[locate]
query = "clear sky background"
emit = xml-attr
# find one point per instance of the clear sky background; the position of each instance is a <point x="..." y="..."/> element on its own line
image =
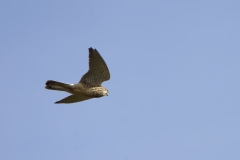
<point x="174" y="92"/>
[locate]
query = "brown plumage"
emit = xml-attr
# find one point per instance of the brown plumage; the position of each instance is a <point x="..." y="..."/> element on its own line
<point x="90" y="83"/>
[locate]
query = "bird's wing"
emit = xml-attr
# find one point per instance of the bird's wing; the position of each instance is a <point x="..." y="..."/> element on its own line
<point x="98" y="71"/>
<point x="73" y="99"/>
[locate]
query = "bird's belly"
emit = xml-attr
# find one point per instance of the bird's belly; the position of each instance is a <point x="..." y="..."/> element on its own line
<point x="77" y="89"/>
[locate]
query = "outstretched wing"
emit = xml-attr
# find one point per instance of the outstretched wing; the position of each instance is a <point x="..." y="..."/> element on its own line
<point x="73" y="99"/>
<point x="98" y="71"/>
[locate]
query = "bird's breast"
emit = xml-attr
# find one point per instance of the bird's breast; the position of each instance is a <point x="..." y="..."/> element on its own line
<point x="95" y="92"/>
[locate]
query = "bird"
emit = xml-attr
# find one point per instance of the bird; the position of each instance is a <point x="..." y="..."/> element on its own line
<point x="89" y="85"/>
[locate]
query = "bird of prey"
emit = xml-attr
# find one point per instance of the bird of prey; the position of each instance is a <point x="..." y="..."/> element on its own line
<point x="90" y="84"/>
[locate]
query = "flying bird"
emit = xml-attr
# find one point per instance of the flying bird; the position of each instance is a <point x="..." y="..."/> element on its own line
<point x="90" y="84"/>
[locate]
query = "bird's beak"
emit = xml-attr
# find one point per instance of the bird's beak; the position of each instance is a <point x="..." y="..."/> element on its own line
<point x="107" y="94"/>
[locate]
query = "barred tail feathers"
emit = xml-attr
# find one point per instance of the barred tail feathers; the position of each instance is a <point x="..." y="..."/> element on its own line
<point x="54" y="85"/>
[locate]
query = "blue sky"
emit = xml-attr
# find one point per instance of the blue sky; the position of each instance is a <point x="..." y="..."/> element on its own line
<point x="174" y="88"/>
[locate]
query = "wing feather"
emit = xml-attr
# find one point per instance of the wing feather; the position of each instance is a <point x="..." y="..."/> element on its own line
<point x="73" y="99"/>
<point x="98" y="71"/>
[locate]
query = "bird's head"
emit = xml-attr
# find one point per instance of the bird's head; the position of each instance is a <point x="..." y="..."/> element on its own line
<point x="105" y="92"/>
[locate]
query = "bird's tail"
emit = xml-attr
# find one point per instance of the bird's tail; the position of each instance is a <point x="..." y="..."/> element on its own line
<point x="54" y="85"/>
